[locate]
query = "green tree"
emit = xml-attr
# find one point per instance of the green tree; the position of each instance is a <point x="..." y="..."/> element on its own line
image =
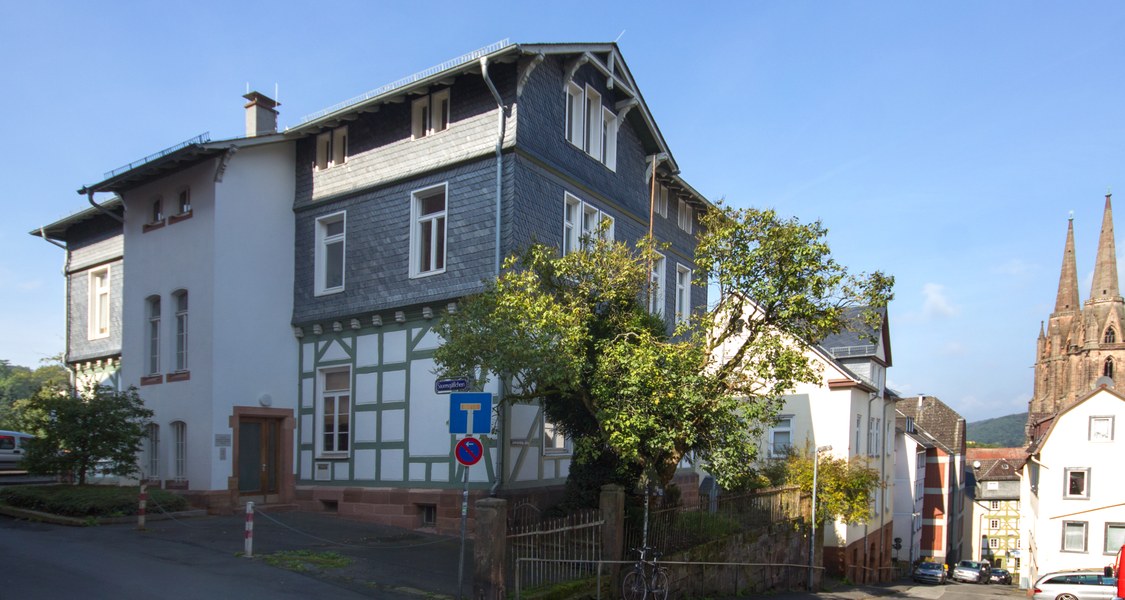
<point x="573" y="333"/>
<point x="93" y="427"/>
<point x="845" y="489"/>
<point x="20" y="383"/>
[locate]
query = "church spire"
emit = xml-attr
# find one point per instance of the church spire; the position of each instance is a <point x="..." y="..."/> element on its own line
<point x="1068" y="279"/>
<point x="1105" y="267"/>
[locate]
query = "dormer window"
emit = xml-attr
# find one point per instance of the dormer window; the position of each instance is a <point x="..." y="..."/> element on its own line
<point x="332" y="148"/>
<point x="1110" y="336"/>
<point x="430" y="114"/>
<point x="591" y="126"/>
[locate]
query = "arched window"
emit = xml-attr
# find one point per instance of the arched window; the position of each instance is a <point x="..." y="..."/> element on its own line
<point x="153" y="338"/>
<point x="179" y="439"/>
<point x="1108" y="369"/>
<point x="153" y="451"/>
<point x="181" y="298"/>
<point x="1110" y="336"/>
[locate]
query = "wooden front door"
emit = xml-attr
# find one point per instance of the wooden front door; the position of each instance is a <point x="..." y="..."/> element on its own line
<point x="258" y="455"/>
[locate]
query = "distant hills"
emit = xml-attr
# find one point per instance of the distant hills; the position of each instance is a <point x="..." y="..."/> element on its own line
<point x="1001" y="432"/>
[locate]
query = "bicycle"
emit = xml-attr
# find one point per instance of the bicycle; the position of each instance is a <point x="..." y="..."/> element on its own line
<point x="646" y="578"/>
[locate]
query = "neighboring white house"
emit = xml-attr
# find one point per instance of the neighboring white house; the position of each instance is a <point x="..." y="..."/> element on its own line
<point x="208" y="296"/>
<point x="1072" y="493"/>
<point x="910" y="476"/>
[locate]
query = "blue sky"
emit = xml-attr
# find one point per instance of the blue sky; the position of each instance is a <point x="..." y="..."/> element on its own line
<point x="942" y="142"/>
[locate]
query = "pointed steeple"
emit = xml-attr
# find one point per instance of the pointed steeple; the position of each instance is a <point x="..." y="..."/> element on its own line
<point x="1067" y="300"/>
<point x="1105" y="267"/>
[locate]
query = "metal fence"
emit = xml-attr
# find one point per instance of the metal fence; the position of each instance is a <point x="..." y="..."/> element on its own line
<point x="556" y="550"/>
<point x="676" y="528"/>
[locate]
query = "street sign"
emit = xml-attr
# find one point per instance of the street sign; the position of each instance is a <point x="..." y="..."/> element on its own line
<point x="452" y="384"/>
<point x="470" y="413"/>
<point x="468" y="451"/>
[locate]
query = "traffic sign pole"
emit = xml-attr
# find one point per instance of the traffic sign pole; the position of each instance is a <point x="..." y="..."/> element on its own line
<point x="464" y="520"/>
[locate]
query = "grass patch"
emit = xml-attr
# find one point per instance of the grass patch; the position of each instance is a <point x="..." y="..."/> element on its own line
<point x="306" y="560"/>
<point x="88" y="500"/>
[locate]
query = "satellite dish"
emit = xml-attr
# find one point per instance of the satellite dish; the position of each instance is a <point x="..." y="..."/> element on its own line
<point x="1104" y="380"/>
<point x="976" y="464"/>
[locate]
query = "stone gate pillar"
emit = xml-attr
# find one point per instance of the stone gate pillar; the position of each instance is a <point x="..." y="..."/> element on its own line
<point x="489" y="549"/>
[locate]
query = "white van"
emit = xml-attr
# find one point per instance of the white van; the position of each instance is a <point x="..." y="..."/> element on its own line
<point x="13" y="445"/>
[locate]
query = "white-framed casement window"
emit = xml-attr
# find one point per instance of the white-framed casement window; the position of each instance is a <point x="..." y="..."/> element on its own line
<point x="153" y="337"/>
<point x="428" y="209"/>
<point x="181" y="298"/>
<point x="592" y="143"/>
<point x="157" y="213"/>
<point x="554" y="441"/>
<point x="858" y="422"/>
<point x="184" y="201"/>
<point x="656" y="286"/>
<point x="994" y="523"/>
<point x="329" y="254"/>
<point x="334" y="411"/>
<point x="153" y="443"/>
<point x="179" y="441"/>
<point x="1077" y="481"/>
<point x="683" y="293"/>
<point x="993" y="543"/>
<point x="1101" y="429"/>
<point x="581" y="221"/>
<point x="99" y="299"/>
<point x="781" y="436"/>
<point x="660" y="200"/>
<point x="575" y="113"/>
<point x="609" y="139"/>
<point x="994" y="505"/>
<point x="1074" y="536"/>
<point x="992" y="486"/>
<point x="430" y="114"/>
<point x="332" y="148"/>
<point x="685" y="216"/>
<point x="1114" y="538"/>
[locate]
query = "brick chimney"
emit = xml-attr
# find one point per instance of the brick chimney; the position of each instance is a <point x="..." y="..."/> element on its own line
<point x="261" y="118"/>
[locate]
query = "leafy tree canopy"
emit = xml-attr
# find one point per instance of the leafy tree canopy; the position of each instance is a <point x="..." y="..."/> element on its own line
<point x="20" y="383"/>
<point x="573" y="332"/>
<point x="845" y="489"/>
<point x="78" y="431"/>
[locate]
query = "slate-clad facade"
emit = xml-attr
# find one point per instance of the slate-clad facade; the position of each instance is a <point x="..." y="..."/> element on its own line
<point x="373" y="336"/>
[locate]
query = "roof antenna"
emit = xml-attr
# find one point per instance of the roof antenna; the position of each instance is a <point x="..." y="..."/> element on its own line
<point x="247" y="87"/>
<point x="1071" y="215"/>
<point x="619" y="36"/>
<point x="276" y="93"/>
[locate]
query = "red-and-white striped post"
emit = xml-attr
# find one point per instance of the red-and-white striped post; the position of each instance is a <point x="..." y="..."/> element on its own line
<point x="248" y="543"/>
<point x="142" y="506"/>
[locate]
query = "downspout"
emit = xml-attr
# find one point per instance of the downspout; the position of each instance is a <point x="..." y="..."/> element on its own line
<point x="90" y="197"/>
<point x="883" y="476"/>
<point x="66" y="305"/>
<point x="501" y="126"/>
<point x="867" y="525"/>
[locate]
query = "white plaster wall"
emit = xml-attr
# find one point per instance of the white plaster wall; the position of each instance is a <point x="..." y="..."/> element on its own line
<point x="255" y="351"/>
<point x="1068" y="445"/>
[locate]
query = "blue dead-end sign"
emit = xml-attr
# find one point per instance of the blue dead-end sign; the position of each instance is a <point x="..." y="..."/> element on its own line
<point x="469" y="451"/>
<point x="470" y="413"/>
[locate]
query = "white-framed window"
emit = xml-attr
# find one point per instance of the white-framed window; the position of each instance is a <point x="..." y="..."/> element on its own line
<point x="656" y="286"/>
<point x="99" y="299"/>
<point x="332" y="148"/>
<point x="430" y="114"/>
<point x="184" y="201"/>
<point x="554" y="440"/>
<point x="334" y="411"/>
<point x="1077" y="481"/>
<point x="1101" y="429"/>
<point x="181" y="298"/>
<point x="593" y="141"/>
<point x="685" y="216"/>
<point x="157" y="213"/>
<point x="609" y="139"/>
<point x="575" y="109"/>
<point x="992" y="486"/>
<point x="993" y="542"/>
<point x="994" y="504"/>
<point x="1114" y="538"/>
<point x="858" y="423"/>
<point x="329" y="254"/>
<point x="781" y="436"/>
<point x="580" y="223"/>
<point x="994" y="523"/>
<point x="179" y="440"/>
<point x="153" y="443"/>
<point x="1074" y="536"/>
<point x="153" y="338"/>
<point x="683" y="294"/>
<point x="660" y="201"/>
<point x="427" y="232"/>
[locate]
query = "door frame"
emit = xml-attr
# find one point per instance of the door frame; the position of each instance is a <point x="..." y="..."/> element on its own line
<point x="286" y="491"/>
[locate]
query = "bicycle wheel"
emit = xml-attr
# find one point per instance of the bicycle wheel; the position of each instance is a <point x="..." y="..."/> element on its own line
<point x="660" y="584"/>
<point x="633" y="588"/>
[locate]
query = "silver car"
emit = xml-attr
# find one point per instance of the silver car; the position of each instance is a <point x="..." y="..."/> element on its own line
<point x="1075" y="585"/>
<point x="972" y="571"/>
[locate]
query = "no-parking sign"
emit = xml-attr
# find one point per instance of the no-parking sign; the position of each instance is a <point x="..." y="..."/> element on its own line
<point x="469" y="451"/>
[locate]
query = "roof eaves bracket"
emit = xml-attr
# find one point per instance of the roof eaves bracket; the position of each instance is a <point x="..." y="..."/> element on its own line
<point x="572" y="68"/>
<point x="527" y="73"/>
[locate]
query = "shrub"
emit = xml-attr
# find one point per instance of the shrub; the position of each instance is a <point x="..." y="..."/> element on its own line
<point x="88" y="501"/>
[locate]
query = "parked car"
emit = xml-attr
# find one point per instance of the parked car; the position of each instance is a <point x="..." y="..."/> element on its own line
<point x="929" y="572"/>
<point x="972" y="571"/>
<point x="13" y="445"/>
<point x="1000" y="576"/>
<point x="1075" y="585"/>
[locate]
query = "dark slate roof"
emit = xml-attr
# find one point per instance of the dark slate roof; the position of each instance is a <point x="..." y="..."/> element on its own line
<point x="858" y="339"/>
<point x="934" y="418"/>
<point x="996" y="464"/>
<point x="59" y="230"/>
